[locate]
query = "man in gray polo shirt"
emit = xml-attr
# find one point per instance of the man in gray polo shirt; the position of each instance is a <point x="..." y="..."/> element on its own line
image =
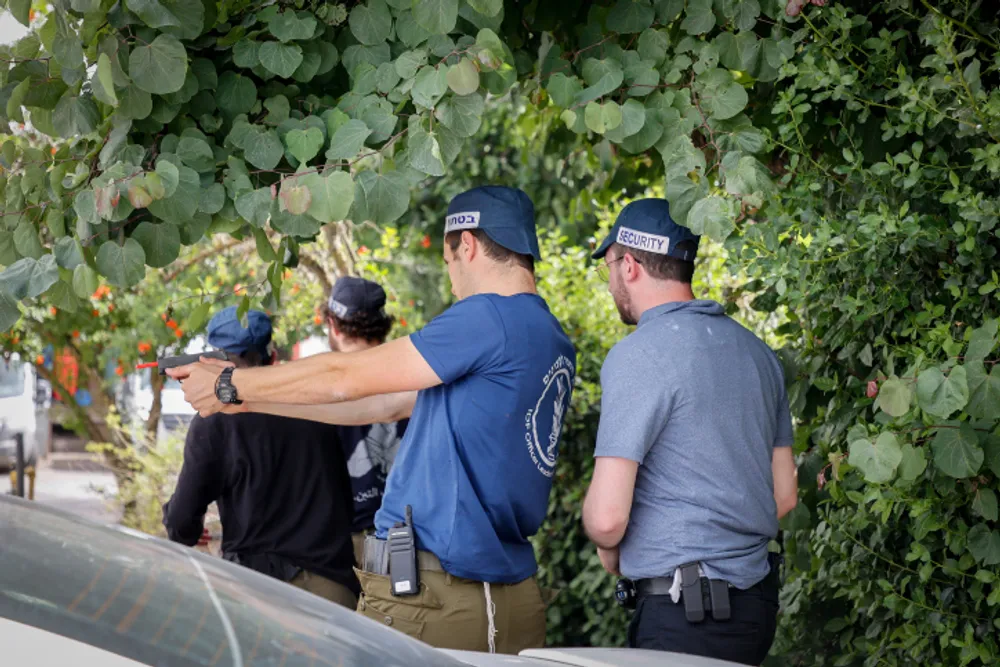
<point x="693" y="463"/>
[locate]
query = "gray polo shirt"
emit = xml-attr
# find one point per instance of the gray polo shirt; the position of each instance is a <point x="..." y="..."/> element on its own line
<point x="699" y="402"/>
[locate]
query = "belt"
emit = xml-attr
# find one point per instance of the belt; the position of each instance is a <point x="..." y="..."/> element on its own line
<point x="375" y="558"/>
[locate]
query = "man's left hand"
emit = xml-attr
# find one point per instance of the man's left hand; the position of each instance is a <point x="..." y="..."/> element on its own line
<point x="198" y="382"/>
<point x="609" y="559"/>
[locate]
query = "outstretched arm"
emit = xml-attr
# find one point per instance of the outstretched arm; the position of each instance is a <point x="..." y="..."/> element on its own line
<point x="371" y="410"/>
<point x="333" y="377"/>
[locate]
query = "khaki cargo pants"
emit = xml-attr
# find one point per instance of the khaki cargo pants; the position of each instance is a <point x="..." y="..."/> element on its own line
<point x="450" y="612"/>
<point x="325" y="588"/>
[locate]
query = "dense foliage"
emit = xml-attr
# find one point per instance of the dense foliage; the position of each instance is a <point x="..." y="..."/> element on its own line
<point x="849" y="154"/>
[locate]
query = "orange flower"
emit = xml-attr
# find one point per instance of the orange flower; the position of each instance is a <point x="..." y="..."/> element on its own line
<point x="111" y="307"/>
<point x="295" y="288"/>
<point x="402" y="321"/>
<point x="53" y="150"/>
<point x="53" y="311"/>
<point x="426" y="242"/>
<point x="76" y="334"/>
<point x="410" y="303"/>
<point x="238" y="288"/>
<point x="363" y="250"/>
<point x="96" y="312"/>
<point x="119" y="371"/>
<point x="113" y="326"/>
<point x="318" y="320"/>
<point x="15" y="340"/>
<point x="178" y="332"/>
<point x="31" y="15"/>
<point x="39" y="360"/>
<point x="163" y="317"/>
<point x="171" y="324"/>
<point x="144" y="347"/>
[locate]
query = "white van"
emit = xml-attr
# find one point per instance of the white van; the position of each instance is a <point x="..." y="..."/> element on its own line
<point x="25" y="399"/>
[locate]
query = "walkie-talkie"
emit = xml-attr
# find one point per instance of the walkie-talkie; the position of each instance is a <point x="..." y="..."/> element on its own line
<point x="403" y="557"/>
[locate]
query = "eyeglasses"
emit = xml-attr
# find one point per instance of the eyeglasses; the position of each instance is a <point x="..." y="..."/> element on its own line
<point x="604" y="269"/>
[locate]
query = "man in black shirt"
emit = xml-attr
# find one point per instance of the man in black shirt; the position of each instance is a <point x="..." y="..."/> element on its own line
<point x="284" y="501"/>
<point x="356" y="320"/>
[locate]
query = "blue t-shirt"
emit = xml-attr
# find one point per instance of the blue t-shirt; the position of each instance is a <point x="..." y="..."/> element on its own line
<point x="477" y="459"/>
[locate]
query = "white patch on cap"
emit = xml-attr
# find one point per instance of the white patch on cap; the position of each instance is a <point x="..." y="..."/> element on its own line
<point x="466" y="220"/>
<point x="339" y="309"/>
<point x="643" y="241"/>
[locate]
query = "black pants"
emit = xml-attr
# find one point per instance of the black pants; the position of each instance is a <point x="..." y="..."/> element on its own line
<point x="660" y="625"/>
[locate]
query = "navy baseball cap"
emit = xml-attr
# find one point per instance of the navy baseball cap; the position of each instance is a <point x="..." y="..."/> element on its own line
<point x="506" y="215"/>
<point x="351" y="295"/>
<point x="645" y="224"/>
<point x="226" y="333"/>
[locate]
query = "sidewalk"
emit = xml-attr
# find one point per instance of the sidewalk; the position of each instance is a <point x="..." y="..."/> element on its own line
<point x="73" y="483"/>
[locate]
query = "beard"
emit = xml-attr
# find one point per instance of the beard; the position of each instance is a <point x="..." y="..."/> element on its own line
<point x="623" y="302"/>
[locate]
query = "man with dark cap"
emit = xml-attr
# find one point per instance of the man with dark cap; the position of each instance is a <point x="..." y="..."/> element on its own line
<point x="356" y="320"/>
<point x="694" y="463"/>
<point x="284" y="499"/>
<point x="488" y="383"/>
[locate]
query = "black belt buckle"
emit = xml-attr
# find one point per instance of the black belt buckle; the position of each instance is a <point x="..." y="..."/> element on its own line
<point x="694" y="603"/>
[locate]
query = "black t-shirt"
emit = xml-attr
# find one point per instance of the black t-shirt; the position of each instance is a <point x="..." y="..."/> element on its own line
<point x="282" y="488"/>
<point x="370" y="451"/>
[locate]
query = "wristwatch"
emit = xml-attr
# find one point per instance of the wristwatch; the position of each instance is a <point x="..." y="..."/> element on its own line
<point x="224" y="389"/>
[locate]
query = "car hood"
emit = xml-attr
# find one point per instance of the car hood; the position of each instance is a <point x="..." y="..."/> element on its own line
<point x="587" y="657"/>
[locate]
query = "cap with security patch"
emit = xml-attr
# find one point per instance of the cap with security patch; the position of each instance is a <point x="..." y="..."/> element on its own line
<point x="351" y="295"/>
<point x="506" y="215"/>
<point x="645" y="224"/>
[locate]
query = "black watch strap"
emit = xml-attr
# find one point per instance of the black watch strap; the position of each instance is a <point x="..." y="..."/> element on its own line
<point x="224" y="389"/>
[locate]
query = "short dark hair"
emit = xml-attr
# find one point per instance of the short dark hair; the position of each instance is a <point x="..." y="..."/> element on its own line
<point x="364" y="325"/>
<point x="250" y="359"/>
<point x="663" y="267"/>
<point x="492" y="249"/>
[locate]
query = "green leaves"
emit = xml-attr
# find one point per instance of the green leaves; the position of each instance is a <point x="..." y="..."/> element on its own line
<point x="463" y="77"/>
<point x="304" y="145"/>
<point x="75" y="116"/>
<point x="85" y="281"/>
<point x="103" y="82"/>
<point x="187" y="16"/>
<point x="984" y="544"/>
<point x="602" y="76"/>
<point x="877" y="460"/>
<point x="894" y="397"/>
<point x="159" y="67"/>
<point x="236" y="94"/>
<point x="461" y="115"/>
<point x="255" y="206"/>
<point x="123" y="265"/>
<point x="437" y="17"/>
<point x="602" y="117"/>
<point x="10" y="313"/>
<point x="956" y="451"/>
<point x="281" y="59"/>
<point x="289" y="25"/>
<point x="161" y="243"/>
<point x="195" y="153"/>
<point x="699" y="18"/>
<point x="425" y="153"/>
<point x="564" y="89"/>
<point x="721" y="95"/>
<point x="371" y="23"/>
<point x="28" y="278"/>
<point x="348" y="140"/>
<point x="713" y="216"/>
<point x="630" y="16"/>
<point x="984" y="391"/>
<point x="983" y="341"/>
<point x="21" y="10"/>
<point x="985" y="504"/>
<point x="262" y="148"/>
<point x="380" y="198"/>
<point x="68" y="252"/>
<point x="912" y="464"/>
<point x="430" y="85"/>
<point x="331" y="195"/>
<point x="941" y="395"/>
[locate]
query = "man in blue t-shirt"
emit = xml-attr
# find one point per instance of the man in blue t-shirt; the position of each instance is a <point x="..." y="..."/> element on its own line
<point x="486" y="385"/>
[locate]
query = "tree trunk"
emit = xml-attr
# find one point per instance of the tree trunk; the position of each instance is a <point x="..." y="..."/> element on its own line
<point x="153" y="421"/>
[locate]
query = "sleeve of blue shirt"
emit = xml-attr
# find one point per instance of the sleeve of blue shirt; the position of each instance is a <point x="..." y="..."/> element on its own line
<point x="631" y="420"/>
<point x="466" y="338"/>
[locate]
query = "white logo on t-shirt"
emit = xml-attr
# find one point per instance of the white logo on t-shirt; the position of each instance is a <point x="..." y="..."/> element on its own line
<point x="377" y="449"/>
<point x="544" y="422"/>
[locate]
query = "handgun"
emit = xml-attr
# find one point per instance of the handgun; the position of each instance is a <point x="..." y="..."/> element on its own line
<point x="183" y="360"/>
